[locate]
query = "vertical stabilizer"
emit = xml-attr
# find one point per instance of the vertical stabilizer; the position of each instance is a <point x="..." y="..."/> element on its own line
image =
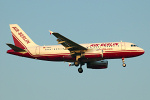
<point x="21" y="39"/>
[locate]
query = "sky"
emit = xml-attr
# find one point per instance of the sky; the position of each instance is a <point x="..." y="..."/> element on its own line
<point x="83" y="21"/>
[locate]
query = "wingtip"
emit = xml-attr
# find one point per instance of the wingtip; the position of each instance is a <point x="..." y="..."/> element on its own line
<point x="51" y="32"/>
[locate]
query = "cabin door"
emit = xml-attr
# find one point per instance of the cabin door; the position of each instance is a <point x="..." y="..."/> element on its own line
<point x="123" y="46"/>
<point x="37" y="50"/>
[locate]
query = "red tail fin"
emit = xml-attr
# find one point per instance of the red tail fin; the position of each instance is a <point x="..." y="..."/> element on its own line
<point x="17" y="42"/>
<point x="21" y="39"/>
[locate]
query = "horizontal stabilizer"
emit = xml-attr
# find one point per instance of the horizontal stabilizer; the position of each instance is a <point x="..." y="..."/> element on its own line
<point x="15" y="48"/>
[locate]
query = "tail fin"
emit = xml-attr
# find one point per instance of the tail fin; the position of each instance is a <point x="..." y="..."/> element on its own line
<point x="21" y="39"/>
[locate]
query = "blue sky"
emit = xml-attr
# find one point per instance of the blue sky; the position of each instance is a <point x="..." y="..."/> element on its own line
<point x="83" y="22"/>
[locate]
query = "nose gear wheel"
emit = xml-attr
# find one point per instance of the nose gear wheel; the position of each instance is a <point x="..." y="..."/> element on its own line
<point x="124" y="65"/>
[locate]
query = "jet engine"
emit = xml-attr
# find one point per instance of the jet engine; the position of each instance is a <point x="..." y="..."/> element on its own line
<point x="97" y="64"/>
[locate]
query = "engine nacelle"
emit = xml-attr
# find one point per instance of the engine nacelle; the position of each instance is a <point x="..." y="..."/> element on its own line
<point x="97" y="64"/>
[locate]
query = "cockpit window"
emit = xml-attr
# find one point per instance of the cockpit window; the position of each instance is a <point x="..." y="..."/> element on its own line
<point x="133" y="45"/>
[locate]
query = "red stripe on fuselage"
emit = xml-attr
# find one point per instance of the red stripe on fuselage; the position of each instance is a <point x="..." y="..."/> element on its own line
<point x="68" y="57"/>
<point x="11" y="51"/>
<point x="122" y="54"/>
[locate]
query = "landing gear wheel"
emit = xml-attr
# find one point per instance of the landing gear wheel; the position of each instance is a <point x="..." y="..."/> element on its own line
<point x="124" y="65"/>
<point x="80" y="70"/>
<point x="76" y="63"/>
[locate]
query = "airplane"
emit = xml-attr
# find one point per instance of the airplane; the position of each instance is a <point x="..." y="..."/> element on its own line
<point x="94" y="55"/>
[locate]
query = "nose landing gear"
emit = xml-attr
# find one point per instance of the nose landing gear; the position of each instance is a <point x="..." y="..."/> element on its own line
<point x="124" y="65"/>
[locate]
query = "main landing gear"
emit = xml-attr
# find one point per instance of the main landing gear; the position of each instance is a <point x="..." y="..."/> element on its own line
<point x="76" y="63"/>
<point x="124" y="65"/>
<point x="80" y="70"/>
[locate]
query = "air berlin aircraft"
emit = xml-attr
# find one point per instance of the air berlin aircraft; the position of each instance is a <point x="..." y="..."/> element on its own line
<point x="94" y="55"/>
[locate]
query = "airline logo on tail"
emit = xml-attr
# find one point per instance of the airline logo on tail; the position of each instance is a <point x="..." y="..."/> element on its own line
<point x="21" y="35"/>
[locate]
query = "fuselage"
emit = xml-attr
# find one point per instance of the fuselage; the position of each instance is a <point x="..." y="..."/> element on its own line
<point x="96" y="51"/>
<point x="92" y="54"/>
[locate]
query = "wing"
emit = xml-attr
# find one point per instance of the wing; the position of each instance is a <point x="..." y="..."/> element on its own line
<point x="68" y="44"/>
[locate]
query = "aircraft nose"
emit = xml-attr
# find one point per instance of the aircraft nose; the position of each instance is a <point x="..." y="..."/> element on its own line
<point x="142" y="51"/>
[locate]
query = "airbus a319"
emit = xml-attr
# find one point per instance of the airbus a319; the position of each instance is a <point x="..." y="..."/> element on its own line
<point x="94" y="55"/>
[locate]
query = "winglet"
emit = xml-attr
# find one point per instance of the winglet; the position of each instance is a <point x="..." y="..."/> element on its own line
<point x="51" y="32"/>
